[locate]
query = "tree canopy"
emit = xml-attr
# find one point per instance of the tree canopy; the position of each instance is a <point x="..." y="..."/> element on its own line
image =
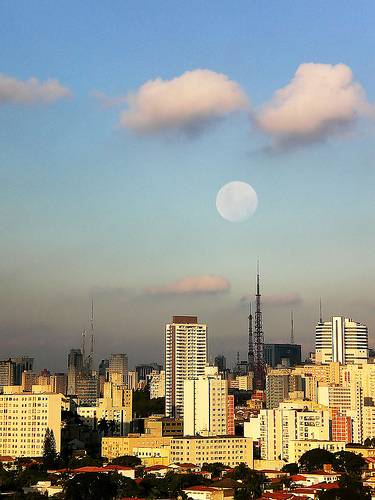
<point x="314" y="459"/>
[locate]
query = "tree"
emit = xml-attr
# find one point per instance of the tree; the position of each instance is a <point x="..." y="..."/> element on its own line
<point x="314" y="459"/>
<point x="290" y="468"/>
<point x="343" y="493"/>
<point x="103" y="427"/>
<point x="143" y="406"/>
<point x="348" y="462"/>
<point x="112" y="426"/>
<point x="215" y="468"/>
<point x="252" y="480"/>
<point x="49" y="449"/>
<point x="127" y="461"/>
<point x="90" y="485"/>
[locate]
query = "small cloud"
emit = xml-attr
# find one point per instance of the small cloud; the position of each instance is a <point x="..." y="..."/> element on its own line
<point x="13" y="91"/>
<point x="192" y="285"/>
<point x="189" y="103"/>
<point x="321" y="100"/>
<point x="106" y="101"/>
<point x="277" y="300"/>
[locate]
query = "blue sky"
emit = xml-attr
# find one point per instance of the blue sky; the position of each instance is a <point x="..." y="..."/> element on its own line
<point x="89" y="207"/>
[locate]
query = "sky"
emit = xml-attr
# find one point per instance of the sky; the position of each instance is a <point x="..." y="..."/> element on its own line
<point x="119" y="124"/>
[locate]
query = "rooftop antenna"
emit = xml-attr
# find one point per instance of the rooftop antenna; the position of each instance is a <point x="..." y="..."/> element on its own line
<point x="83" y="344"/>
<point x="320" y="311"/>
<point x="291" y="327"/>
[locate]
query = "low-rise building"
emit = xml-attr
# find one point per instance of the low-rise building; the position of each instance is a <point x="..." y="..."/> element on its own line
<point x="229" y="450"/>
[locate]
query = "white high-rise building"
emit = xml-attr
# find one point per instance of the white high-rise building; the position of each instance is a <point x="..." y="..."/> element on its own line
<point x="205" y="405"/>
<point x="341" y="340"/>
<point x="185" y="359"/>
<point x="118" y="368"/>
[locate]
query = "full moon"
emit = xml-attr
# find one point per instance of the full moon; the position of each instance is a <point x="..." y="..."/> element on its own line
<point x="236" y="201"/>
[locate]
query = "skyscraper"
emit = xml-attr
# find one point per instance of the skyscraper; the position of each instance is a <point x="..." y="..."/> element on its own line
<point x="185" y="359"/>
<point x="75" y="367"/>
<point x="118" y="364"/>
<point x="342" y="340"/>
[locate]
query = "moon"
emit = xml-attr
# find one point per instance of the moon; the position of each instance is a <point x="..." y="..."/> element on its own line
<point x="236" y="201"/>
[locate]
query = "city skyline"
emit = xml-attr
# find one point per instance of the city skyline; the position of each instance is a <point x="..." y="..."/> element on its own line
<point x="103" y="198"/>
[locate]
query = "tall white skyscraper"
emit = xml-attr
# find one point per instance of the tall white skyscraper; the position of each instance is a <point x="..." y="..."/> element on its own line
<point x="341" y="340"/>
<point x="185" y="359"/>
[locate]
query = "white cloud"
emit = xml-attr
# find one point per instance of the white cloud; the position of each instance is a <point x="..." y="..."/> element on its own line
<point x="321" y="100"/>
<point x="188" y="102"/>
<point x="192" y="285"/>
<point x="30" y="91"/>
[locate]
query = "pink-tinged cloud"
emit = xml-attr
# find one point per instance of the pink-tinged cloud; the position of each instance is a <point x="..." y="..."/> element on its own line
<point x="188" y="102"/>
<point x="13" y="91"/>
<point x="277" y="300"/>
<point x="192" y="285"/>
<point x="321" y="100"/>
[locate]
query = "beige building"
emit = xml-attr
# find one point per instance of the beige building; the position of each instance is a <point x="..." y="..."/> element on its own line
<point x="298" y="447"/>
<point x="275" y="428"/>
<point x="158" y="425"/>
<point x="157" y="384"/>
<point x="24" y="419"/>
<point x="205" y="405"/>
<point x="116" y="405"/>
<point x="113" y="447"/>
<point x="229" y="450"/>
<point x="118" y="368"/>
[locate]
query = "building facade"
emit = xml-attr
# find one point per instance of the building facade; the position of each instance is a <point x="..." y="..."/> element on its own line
<point x="341" y="340"/>
<point x="206" y="406"/>
<point x="24" y="420"/>
<point x="185" y="359"/>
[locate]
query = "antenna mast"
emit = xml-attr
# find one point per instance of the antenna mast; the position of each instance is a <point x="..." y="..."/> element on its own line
<point x="250" y="354"/>
<point x="91" y="355"/>
<point x="259" y="366"/>
<point x="320" y="311"/>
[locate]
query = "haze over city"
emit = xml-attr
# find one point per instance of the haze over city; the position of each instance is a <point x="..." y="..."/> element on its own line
<point x="108" y="185"/>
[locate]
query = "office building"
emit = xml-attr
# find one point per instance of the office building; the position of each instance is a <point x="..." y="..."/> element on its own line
<point x="132" y="380"/>
<point x="75" y="368"/>
<point x="87" y="388"/>
<point x="7" y="373"/>
<point x="341" y="340"/>
<point x="282" y="354"/>
<point x="205" y="405"/>
<point x="185" y="359"/>
<point x="221" y="362"/>
<point x="118" y="364"/>
<point x="143" y="371"/>
<point x="280" y="384"/>
<point x="59" y="383"/>
<point x="22" y="363"/>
